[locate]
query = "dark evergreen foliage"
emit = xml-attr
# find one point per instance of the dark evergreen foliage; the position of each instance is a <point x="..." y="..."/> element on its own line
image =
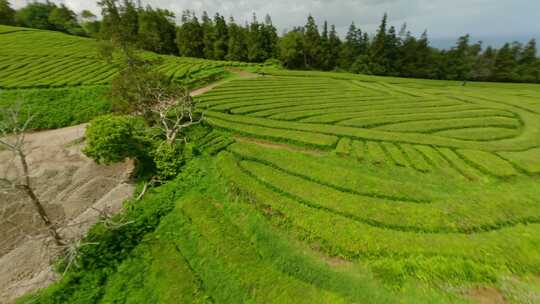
<point x="387" y="53"/>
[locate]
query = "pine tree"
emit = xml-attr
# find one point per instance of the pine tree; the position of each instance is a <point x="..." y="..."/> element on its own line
<point x="527" y="64"/>
<point x="334" y="47"/>
<point x="392" y="46"/>
<point x="268" y="39"/>
<point x="188" y="36"/>
<point x="349" y="50"/>
<point x="461" y="59"/>
<point x="312" y="44"/>
<point x="237" y="42"/>
<point x="157" y="31"/>
<point x="221" y="43"/>
<point x="255" y="49"/>
<point x="208" y="36"/>
<point x="130" y="20"/>
<point x="325" y="49"/>
<point x="378" y="55"/>
<point x="484" y="65"/>
<point x="120" y="25"/>
<point x="505" y="65"/>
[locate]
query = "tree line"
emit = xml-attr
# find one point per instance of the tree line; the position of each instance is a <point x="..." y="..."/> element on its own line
<point x="388" y="52"/>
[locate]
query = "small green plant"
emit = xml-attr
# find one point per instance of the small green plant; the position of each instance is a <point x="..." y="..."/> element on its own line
<point x="113" y="138"/>
<point x="169" y="159"/>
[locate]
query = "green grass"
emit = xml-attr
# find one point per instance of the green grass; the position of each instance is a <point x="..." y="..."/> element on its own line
<point x="62" y="79"/>
<point x="60" y="107"/>
<point x="342" y="189"/>
<point x="208" y="243"/>
<point x="395" y="255"/>
<point x="528" y="161"/>
<point x="44" y="59"/>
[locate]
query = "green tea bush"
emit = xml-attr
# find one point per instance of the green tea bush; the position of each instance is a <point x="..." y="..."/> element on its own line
<point x="169" y="159"/>
<point x="112" y="139"/>
<point x="62" y="107"/>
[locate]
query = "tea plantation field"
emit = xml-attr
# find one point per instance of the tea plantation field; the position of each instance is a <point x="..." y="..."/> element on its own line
<point x="37" y="65"/>
<point x="315" y="187"/>
<point x="425" y="180"/>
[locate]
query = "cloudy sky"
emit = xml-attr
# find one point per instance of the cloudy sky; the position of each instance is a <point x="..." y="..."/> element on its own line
<point x="484" y="19"/>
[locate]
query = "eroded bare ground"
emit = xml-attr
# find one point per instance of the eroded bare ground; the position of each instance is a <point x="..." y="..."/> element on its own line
<point x="71" y="186"/>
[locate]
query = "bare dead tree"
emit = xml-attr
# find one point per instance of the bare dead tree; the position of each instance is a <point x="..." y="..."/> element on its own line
<point x="13" y="130"/>
<point x="175" y="111"/>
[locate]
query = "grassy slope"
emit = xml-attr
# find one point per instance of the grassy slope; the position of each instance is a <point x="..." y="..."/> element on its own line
<point x="411" y="191"/>
<point x="213" y="246"/>
<point x="62" y="79"/>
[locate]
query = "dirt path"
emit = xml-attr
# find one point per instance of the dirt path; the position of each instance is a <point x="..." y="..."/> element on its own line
<point x="239" y="74"/>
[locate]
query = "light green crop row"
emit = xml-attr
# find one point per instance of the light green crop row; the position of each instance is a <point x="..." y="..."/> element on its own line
<point x="474" y="257"/>
<point x="488" y="162"/>
<point x="529" y="160"/>
<point x="373" y="121"/>
<point x="378" y="135"/>
<point x="445" y="214"/>
<point x="480" y="134"/>
<point x="361" y="107"/>
<point x="303" y="138"/>
<point x="398" y="110"/>
<point x="429" y="126"/>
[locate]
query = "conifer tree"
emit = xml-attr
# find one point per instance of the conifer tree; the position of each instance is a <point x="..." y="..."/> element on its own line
<point x="188" y="36"/>
<point x="378" y="55"/>
<point x="334" y="46"/>
<point x="528" y="69"/>
<point x="208" y="36"/>
<point x="237" y="42"/>
<point x="255" y="49"/>
<point x="325" y="48"/>
<point x="269" y="39"/>
<point x="505" y="64"/>
<point x="349" y="51"/>
<point x="484" y="65"/>
<point x="312" y="44"/>
<point x="221" y="43"/>
<point x="392" y="46"/>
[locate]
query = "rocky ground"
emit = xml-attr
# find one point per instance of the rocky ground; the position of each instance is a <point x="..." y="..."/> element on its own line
<point x="71" y="186"/>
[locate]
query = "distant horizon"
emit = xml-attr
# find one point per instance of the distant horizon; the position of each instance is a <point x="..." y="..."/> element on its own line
<point x="493" y="41"/>
<point x="514" y="20"/>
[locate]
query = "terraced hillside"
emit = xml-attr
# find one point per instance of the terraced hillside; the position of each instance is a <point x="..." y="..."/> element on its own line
<point x="335" y="188"/>
<point x="34" y="58"/>
<point x="68" y="72"/>
<point x="428" y="180"/>
<point x="317" y="188"/>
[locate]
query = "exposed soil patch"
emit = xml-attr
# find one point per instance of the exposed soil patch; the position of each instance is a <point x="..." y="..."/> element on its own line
<point x="69" y="184"/>
<point x="486" y="295"/>
<point x="240" y="73"/>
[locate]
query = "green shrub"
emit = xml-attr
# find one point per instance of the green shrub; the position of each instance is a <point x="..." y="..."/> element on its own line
<point x="60" y="107"/>
<point x="169" y="160"/>
<point x="112" y="139"/>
